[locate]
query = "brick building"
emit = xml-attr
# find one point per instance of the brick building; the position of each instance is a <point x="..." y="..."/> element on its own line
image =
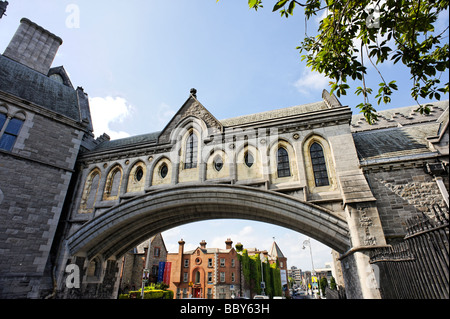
<point x="211" y="273"/>
<point x="275" y="254"/>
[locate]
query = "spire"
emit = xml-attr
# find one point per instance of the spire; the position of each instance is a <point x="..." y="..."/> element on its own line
<point x="275" y="251"/>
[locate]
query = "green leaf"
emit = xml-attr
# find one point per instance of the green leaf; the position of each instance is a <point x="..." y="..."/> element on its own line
<point x="279" y="4"/>
<point x="291" y="7"/>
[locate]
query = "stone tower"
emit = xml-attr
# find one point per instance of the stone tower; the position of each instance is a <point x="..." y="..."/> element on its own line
<point x="43" y="121"/>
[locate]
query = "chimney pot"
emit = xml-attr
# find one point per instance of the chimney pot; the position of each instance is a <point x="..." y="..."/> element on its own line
<point x="33" y="46"/>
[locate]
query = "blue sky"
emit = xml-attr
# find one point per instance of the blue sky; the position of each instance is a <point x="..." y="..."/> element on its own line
<point x="138" y="60"/>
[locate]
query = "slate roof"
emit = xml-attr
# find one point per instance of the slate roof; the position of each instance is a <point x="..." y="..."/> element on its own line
<point x="132" y="140"/>
<point x="400" y="132"/>
<point x="27" y="84"/>
<point x="275" y="114"/>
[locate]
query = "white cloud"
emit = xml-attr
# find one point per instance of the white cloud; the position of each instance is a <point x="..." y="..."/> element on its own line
<point x="109" y="110"/>
<point x="311" y="82"/>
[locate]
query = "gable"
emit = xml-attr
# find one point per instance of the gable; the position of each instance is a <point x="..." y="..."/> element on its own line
<point x="191" y="108"/>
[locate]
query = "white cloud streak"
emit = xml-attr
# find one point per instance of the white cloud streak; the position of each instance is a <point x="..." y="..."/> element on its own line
<point x="311" y="82"/>
<point x="106" y="111"/>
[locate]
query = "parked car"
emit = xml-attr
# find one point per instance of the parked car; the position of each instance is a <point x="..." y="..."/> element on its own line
<point x="261" y="297"/>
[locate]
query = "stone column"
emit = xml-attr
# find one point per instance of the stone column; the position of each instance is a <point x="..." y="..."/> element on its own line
<point x="366" y="233"/>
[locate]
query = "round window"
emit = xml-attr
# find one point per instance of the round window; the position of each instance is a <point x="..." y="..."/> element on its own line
<point x="139" y="174"/>
<point x="198" y="261"/>
<point x="218" y="163"/>
<point x="163" y="171"/>
<point x="249" y="160"/>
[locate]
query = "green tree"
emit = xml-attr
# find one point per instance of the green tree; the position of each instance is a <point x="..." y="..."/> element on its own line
<point x="323" y="284"/>
<point x="333" y="285"/>
<point x="355" y="33"/>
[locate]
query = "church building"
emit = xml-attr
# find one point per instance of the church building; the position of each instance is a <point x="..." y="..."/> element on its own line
<point x="72" y="205"/>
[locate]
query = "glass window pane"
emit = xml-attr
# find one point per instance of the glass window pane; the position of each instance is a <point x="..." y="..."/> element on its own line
<point x="191" y="151"/>
<point x="14" y="126"/>
<point x="7" y="142"/>
<point x="2" y="120"/>
<point x="319" y="166"/>
<point x="283" y="163"/>
<point x="249" y="160"/>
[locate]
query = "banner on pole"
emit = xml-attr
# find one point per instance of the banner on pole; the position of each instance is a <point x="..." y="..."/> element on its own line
<point x="161" y="267"/>
<point x="167" y="269"/>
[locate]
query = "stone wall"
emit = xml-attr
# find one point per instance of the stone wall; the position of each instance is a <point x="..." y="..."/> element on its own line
<point x="34" y="179"/>
<point x="401" y="194"/>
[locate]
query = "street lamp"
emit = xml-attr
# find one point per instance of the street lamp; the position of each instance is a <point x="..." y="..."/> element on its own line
<point x="306" y="243"/>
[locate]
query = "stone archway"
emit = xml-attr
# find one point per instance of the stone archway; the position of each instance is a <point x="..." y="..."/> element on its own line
<point x="124" y="226"/>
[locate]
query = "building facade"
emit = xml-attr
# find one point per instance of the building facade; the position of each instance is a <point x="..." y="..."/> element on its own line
<point x="142" y="262"/>
<point x="210" y="273"/>
<point x="69" y="201"/>
<point x="44" y="123"/>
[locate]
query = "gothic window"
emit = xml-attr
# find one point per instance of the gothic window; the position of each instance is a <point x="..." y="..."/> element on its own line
<point x="9" y="130"/>
<point x="248" y="159"/>
<point x="283" y="168"/>
<point x="90" y="192"/>
<point x="191" y="151"/>
<point x="319" y="165"/>
<point x="112" y="189"/>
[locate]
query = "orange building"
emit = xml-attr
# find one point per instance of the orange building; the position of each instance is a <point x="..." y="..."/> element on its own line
<point x="209" y="273"/>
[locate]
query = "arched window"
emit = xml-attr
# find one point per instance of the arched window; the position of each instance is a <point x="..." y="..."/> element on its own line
<point x="191" y="151"/>
<point x="112" y="188"/>
<point x="9" y="130"/>
<point x="90" y="192"/>
<point x="283" y="167"/>
<point x="319" y="165"/>
<point x="197" y="277"/>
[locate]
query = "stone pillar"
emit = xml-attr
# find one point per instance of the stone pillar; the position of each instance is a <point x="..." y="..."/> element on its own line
<point x="366" y="233"/>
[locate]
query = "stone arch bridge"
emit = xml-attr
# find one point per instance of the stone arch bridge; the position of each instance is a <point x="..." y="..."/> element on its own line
<point x="70" y="201"/>
<point x="324" y="184"/>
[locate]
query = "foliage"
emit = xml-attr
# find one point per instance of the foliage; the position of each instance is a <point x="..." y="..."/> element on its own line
<point x="323" y="284"/>
<point x="251" y="268"/>
<point x="333" y="285"/>
<point x="379" y="31"/>
<point x="239" y="247"/>
<point x="153" y="291"/>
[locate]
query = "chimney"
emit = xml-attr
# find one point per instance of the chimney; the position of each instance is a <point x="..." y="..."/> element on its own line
<point x="229" y="243"/>
<point x="181" y="247"/>
<point x="203" y="244"/>
<point x="33" y="46"/>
